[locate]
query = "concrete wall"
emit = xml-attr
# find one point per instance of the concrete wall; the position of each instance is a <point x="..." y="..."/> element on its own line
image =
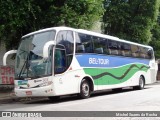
<point x="6" y="83"/>
<point x="2" y="51"/>
<point x="10" y="59"/>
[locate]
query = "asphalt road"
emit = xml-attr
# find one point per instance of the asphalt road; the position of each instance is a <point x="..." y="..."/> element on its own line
<point x="127" y="100"/>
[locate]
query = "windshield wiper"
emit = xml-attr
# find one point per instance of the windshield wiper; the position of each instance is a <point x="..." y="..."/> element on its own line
<point x="23" y="67"/>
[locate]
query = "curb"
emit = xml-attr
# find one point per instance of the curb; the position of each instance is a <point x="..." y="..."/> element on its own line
<point x="155" y="83"/>
<point x="10" y="97"/>
<point x="13" y="98"/>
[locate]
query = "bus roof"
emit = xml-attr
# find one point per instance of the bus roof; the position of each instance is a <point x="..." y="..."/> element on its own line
<point x="48" y="29"/>
<point x="86" y="32"/>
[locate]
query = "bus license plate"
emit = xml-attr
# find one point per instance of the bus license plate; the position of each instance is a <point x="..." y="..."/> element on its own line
<point x="28" y="92"/>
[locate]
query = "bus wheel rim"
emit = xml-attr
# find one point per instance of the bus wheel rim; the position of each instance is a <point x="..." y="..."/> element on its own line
<point x="141" y="83"/>
<point x="85" y="89"/>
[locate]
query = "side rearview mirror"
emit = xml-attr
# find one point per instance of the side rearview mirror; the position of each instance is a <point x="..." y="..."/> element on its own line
<point x="45" y="48"/>
<point x="6" y="55"/>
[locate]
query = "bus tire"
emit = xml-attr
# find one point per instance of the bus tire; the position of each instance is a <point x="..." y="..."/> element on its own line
<point x="85" y="90"/>
<point x="141" y="84"/>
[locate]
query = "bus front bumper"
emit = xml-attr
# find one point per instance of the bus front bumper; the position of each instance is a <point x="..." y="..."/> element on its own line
<point x="34" y="92"/>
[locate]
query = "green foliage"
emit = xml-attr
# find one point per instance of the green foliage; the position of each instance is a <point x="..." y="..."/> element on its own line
<point x="19" y="17"/>
<point x="155" y="43"/>
<point x="130" y="19"/>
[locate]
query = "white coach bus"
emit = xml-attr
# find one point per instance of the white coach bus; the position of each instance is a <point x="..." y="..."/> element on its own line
<point x="63" y="61"/>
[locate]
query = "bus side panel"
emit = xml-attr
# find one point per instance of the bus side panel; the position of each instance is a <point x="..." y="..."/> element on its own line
<point x="114" y="71"/>
<point x="128" y="75"/>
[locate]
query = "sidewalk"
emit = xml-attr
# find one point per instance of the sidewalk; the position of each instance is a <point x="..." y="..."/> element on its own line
<point x="7" y="95"/>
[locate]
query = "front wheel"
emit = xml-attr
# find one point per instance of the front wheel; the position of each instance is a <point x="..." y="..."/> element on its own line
<point x="85" y="90"/>
<point x="141" y="84"/>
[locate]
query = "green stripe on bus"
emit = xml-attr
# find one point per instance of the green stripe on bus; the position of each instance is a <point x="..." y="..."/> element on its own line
<point x="110" y="76"/>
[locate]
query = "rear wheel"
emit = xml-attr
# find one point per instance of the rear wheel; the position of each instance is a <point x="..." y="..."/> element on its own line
<point x="141" y="84"/>
<point x="85" y="89"/>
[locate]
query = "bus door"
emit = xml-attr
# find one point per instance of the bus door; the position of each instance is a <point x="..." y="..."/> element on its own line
<point x="59" y="60"/>
<point x="59" y="69"/>
<point x="64" y="79"/>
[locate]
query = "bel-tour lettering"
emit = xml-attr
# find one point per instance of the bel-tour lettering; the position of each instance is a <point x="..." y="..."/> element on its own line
<point x="98" y="61"/>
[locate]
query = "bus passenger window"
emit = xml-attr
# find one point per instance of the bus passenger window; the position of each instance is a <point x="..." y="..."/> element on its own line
<point x="146" y="53"/>
<point x="125" y="50"/>
<point x="83" y="43"/>
<point x="142" y="52"/>
<point x="150" y="54"/>
<point x="100" y="45"/>
<point x="112" y="47"/>
<point x="135" y="51"/>
<point x="80" y="48"/>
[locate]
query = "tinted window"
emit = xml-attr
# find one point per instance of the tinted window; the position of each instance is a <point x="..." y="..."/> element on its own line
<point x="60" y="61"/>
<point x="150" y="53"/>
<point x="65" y="38"/>
<point x="146" y="53"/>
<point x="84" y="43"/>
<point x="64" y="50"/>
<point x="29" y="58"/>
<point x="135" y="51"/>
<point x="93" y="44"/>
<point x="143" y="52"/>
<point x="125" y="49"/>
<point x="100" y="45"/>
<point x="113" y="47"/>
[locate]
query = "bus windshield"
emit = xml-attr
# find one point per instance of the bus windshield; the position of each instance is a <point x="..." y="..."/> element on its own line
<point x="29" y="58"/>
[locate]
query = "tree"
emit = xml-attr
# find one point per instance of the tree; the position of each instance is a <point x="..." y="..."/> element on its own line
<point x="130" y="19"/>
<point x="19" y="17"/>
<point x="155" y="43"/>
